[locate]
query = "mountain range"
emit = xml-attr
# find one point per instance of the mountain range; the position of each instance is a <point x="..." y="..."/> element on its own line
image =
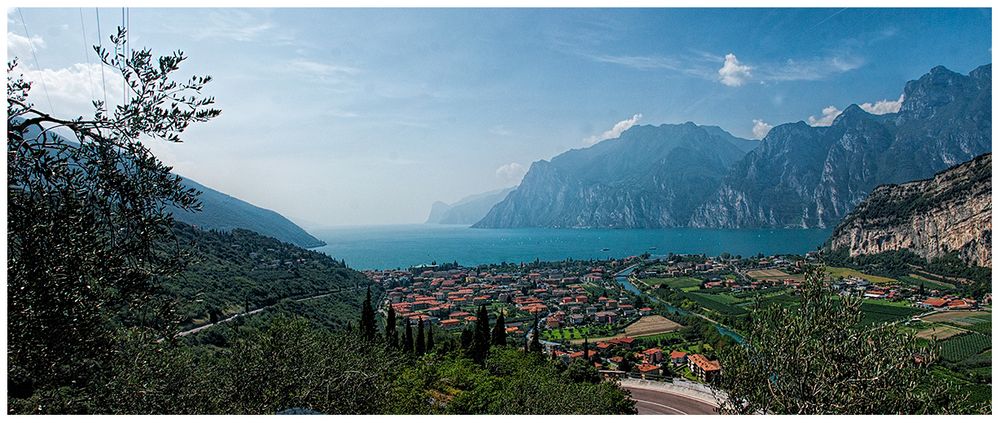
<point x="468" y="210"/>
<point x="223" y="212"/>
<point x="797" y="176"/>
<point x="650" y="176"/>
<point x="219" y="211"/>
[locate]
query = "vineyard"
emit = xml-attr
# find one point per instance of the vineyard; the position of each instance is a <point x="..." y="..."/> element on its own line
<point x="880" y="313"/>
<point x="715" y="303"/>
<point x="964" y="346"/>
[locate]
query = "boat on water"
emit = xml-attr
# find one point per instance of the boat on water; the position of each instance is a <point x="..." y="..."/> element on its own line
<point x="605" y="249"/>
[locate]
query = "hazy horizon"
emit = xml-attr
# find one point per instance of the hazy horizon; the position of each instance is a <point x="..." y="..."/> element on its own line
<point x="345" y="117"/>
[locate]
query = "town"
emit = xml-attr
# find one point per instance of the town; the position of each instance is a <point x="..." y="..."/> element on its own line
<point x="643" y="316"/>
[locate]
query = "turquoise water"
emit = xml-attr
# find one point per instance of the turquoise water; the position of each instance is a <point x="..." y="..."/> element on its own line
<point x="400" y="246"/>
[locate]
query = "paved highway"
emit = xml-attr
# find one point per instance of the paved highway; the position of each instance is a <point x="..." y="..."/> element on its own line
<point x="649" y="401"/>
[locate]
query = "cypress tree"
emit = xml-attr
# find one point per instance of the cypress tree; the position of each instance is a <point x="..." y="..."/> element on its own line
<point x="586" y="348"/>
<point x="391" y="335"/>
<point x="367" y="325"/>
<point x="430" y="337"/>
<point x="536" y="342"/>
<point x="408" y="338"/>
<point x="419" y="343"/>
<point x="499" y="332"/>
<point x="466" y="340"/>
<point x="481" y="336"/>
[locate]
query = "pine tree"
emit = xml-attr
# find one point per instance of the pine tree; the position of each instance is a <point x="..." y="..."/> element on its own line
<point x="481" y="336"/>
<point x="430" y="338"/>
<point x="391" y="335"/>
<point x="499" y="332"/>
<point x="408" y="337"/>
<point x="367" y="325"/>
<point x="420" y="344"/>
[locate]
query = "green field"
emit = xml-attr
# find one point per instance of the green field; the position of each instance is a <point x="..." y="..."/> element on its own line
<point x="963" y="347"/>
<point x="719" y="303"/>
<point x="841" y="272"/>
<point x="881" y="311"/>
<point x="917" y="280"/>
<point x="676" y="283"/>
<point x="569" y="334"/>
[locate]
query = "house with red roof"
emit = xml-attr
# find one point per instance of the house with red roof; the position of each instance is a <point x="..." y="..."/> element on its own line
<point x="705" y="369"/>
<point x="653" y="355"/>
<point x="678" y="358"/>
<point x="934" y="303"/>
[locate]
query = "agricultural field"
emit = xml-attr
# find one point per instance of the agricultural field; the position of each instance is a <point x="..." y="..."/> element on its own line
<point x="965" y="319"/>
<point x="875" y="311"/>
<point x="917" y="280"/>
<point x="959" y="348"/>
<point x="768" y="274"/>
<point x="651" y="325"/>
<point x="578" y="333"/>
<point x="939" y="332"/>
<point x="720" y="303"/>
<point x="681" y="283"/>
<point x="843" y="272"/>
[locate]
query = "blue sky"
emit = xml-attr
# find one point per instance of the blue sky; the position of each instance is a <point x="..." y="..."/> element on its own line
<point x="367" y="116"/>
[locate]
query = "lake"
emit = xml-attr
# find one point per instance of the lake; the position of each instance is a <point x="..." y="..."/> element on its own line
<point x="401" y="246"/>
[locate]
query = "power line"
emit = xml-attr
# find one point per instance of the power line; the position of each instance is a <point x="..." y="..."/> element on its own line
<point x="100" y="41"/>
<point x="125" y="56"/>
<point x="31" y="46"/>
<point x="86" y="56"/>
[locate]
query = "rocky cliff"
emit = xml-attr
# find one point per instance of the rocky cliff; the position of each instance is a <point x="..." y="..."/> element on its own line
<point x="950" y="212"/>
<point x="649" y="177"/>
<point x="804" y="176"/>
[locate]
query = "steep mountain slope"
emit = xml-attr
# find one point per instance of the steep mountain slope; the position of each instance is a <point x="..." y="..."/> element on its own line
<point x="650" y="176"/>
<point x="224" y="213"/>
<point x="804" y="176"/>
<point x="468" y="210"/>
<point x="950" y="212"/>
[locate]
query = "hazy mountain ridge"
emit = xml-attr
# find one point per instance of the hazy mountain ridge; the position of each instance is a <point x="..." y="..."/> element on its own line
<point x="628" y="182"/>
<point x="950" y="212"/>
<point x="804" y="176"/>
<point x="224" y="213"/>
<point x="468" y="210"/>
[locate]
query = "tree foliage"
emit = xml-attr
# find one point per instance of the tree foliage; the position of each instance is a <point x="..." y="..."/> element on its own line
<point x="84" y="216"/>
<point x="816" y="359"/>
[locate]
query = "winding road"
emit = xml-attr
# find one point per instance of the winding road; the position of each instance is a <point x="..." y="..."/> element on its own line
<point x="648" y="401"/>
<point x="668" y="398"/>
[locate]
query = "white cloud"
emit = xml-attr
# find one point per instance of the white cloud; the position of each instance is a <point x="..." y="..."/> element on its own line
<point x="236" y="25"/>
<point x="882" y="107"/>
<point x="20" y="46"/>
<point x="72" y="90"/>
<point x="733" y="73"/>
<point x="511" y="172"/>
<point x="615" y="131"/>
<point x="760" y="129"/>
<point x="320" y="69"/>
<point x="814" y="69"/>
<point x="829" y="114"/>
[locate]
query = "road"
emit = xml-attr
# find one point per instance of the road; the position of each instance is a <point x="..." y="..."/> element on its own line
<point x="197" y="329"/>
<point x="650" y="401"/>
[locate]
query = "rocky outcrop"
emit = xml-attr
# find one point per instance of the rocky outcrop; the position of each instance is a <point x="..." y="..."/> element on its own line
<point x="950" y="212"/>
<point x="803" y="176"/>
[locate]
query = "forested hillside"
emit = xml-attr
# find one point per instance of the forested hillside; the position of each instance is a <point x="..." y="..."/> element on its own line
<point x="230" y="272"/>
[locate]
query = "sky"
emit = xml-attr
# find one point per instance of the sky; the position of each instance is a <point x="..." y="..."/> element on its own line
<point x="367" y="116"/>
